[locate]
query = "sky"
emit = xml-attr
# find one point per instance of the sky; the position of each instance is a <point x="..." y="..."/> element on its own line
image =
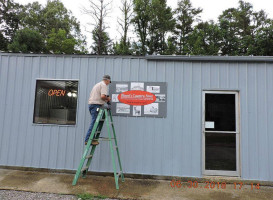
<point x="211" y="10"/>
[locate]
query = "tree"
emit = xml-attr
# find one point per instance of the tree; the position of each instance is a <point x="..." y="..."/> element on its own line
<point x="239" y="28"/>
<point x="123" y="47"/>
<point x="228" y="26"/>
<point x="263" y="41"/>
<point x="102" y="42"/>
<point x="9" y="20"/>
<point x="41" y="19"/>
<point x="141" y="21"/>
<point x="99" y="10"/>
<point x="54" y="16"/>
<point x="186" y="15"/>
<point x="205" y="39"/>
<point x="161" y="22"/>
<point x="27" y="41"/>
<point x="59" y="42"/>
<point x="3" y="42"/>
<point x="32" y="18"/>
<point x="171" y="46"/>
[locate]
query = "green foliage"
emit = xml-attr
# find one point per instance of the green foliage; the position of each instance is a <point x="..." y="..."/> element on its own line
<point x="86" y="196"/>
<point x="240" y="27"/>
<point x="122" y="48"/>
<point x="26" y="41"/>
<point x="159" y="30"/>
<point x="230" y="43"/>
<point x="239" y="31"/>
<point x="137" y="48"/>
<point x="10" y="15"/>
<point x="59" y="42"/>
<point x="171" y="46"/>
<point x="153" y="19"/>
<point x="161" y="22"/>
<point x="263" y="41"/>
<point x="205" y="39"/>
<point x="102" y="42"/>
<point x="186" y="15"/>
<point x="54" y="16"/>
<point x="3" y="43"/>
<point x="141" y="21"/>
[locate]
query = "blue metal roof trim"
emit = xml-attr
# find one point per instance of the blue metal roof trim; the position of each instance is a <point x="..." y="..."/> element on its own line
<point x="188" y="58"/>
<point x="213" y="58"/>
<point x="70" y="55"/>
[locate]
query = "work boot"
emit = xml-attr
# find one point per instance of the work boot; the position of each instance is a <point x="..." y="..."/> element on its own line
<point x="95" y="142"/>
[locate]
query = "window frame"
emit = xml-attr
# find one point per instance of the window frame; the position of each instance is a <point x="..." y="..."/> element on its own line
<point x="34" y="103"/>
<point x="236" y="173"/>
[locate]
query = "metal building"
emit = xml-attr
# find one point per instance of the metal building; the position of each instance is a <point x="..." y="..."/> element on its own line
<point x="219" y="115"/>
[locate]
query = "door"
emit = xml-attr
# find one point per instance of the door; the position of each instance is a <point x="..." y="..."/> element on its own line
<point x="220" y="134"/>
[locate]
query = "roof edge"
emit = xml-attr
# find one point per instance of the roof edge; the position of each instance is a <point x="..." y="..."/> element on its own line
<point x="188" y="58"/>
<point x="70" y="55"/>
<point x="212" y="58"/>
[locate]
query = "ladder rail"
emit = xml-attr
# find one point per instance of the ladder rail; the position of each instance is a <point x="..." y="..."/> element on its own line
<point x="98" y="131"/>
<point x="116" y="143"/>
<point x="86" y="149"/>
<point x="111" y="148"/>
<point x="104" y="115"/>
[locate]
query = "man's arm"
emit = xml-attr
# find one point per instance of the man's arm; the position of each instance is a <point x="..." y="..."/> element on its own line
<point x="103" y="93"/>
<point x="105" y="98"/>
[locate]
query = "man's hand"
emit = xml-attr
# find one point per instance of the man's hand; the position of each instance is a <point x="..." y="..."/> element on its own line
<point x="105" y="98"/>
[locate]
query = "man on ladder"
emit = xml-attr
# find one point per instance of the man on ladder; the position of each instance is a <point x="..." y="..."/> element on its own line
<point x="100" y="114"/>
<point x="98" y="96"/>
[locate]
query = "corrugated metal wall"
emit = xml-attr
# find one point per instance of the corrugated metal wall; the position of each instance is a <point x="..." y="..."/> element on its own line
<point x="170" y="146"/>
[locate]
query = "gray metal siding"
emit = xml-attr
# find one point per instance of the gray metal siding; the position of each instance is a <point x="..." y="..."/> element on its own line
<point x="158" y="146"/>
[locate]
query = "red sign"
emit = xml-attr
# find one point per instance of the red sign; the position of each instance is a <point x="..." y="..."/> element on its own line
<point x="136" y="97"/>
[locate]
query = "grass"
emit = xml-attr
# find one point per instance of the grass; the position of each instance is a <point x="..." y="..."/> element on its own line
<point x="86" y="196"/>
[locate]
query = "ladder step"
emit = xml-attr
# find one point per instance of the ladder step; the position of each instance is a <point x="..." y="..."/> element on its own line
<point x="106" y="138"/>
<point x="89" y="156"/>
<point x="97" y="132"/>
<point x="84" y="169"/>
<point x="101" y="120"/>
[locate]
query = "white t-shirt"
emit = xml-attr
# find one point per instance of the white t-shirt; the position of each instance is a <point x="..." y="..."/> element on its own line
<point x="95" y="94"/>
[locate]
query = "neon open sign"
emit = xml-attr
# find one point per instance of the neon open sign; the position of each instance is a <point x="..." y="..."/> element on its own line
<point x="57" y="93"/>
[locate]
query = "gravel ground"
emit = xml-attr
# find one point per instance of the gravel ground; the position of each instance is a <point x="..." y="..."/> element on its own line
<point x="20" y="195"/>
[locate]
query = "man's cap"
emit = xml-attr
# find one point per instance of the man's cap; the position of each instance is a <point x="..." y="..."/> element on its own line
<point x="107" y="77"/>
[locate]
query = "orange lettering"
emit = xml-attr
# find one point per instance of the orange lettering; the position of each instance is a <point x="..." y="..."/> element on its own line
<point x="50" y="92"/>
<point x="63" y="92"/>
<point x="58" y="93"/>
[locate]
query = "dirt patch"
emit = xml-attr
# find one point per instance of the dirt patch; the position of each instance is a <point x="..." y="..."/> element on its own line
<point x="130" y="189"/>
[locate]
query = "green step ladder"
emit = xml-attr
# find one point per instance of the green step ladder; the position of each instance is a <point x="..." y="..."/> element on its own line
<point x="104" y="115"/>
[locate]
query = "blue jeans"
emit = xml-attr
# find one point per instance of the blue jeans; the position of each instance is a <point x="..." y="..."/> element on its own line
<point x="93" y="111"/>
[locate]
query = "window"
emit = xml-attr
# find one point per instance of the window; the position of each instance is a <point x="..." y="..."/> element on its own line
<point x="55" y="102"/>
<point x="220" y="109"/>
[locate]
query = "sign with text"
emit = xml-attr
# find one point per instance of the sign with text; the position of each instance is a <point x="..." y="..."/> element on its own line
<point x="54" y="92"/>
<point x="138" y="99"/>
